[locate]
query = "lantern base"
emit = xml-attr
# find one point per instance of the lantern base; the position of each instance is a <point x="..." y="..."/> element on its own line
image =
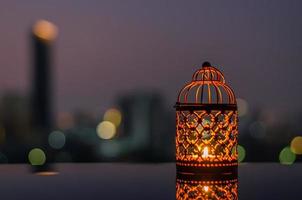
<point x="207" y="168"/>
<point x="208" y="175"/>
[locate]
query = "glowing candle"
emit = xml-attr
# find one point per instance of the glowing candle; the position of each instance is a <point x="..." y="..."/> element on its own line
<point x="205" y="152"/>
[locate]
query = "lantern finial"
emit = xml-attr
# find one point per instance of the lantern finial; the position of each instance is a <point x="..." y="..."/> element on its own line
<point x="206" y="64"/>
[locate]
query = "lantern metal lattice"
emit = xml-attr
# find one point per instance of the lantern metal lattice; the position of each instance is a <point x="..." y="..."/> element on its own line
<point x="206" y="123"/>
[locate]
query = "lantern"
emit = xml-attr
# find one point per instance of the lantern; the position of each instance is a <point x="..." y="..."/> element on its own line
<point x="207" y="187"/>
<point x="206" y="124"/>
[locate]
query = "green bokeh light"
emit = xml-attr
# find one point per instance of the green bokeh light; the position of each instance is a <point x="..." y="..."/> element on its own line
<point x="36" y="157"/>
<point x="286" y="156"/>
<point x="56" y="139"/>
<point x="241" y="153"/>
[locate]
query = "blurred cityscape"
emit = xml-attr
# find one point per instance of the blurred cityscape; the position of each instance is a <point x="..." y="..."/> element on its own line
<point x="139" y="127"/>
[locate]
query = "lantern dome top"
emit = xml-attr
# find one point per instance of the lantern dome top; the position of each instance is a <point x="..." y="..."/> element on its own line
<point x="208" y="86"/>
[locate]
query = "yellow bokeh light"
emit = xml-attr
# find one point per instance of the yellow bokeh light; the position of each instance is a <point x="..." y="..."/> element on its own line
<point x="242" y="107"/>
<point x="36" y="157"/>
<point x="106" y="130"/>
<point x="114" y="116"/>
<point x="45" y="30"/>
<point x="296" y="145"/>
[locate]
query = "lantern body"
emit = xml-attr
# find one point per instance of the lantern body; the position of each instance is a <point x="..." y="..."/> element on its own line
<point x="206" y="124"/>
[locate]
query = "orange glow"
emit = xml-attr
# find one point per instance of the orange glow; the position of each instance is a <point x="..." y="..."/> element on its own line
<point x="215" y="190"/>
<point x="45" y="30"/>
<point x="47" y="173"/>
<point x="113" y="115"/>
<point x="296" y="145"/>
<point x="198" y="142"/>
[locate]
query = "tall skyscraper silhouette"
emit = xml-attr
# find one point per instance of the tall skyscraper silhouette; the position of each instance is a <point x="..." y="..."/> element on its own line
<point x="43" y="36"/>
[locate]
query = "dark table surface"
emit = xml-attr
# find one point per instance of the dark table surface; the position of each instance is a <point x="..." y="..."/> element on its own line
<point x="139" y="181"/>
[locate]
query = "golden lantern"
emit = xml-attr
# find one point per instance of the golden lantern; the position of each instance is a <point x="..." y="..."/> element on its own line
<point x="206" y="124"/>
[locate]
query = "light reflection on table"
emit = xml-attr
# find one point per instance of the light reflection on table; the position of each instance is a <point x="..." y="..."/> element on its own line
<point x="117" y="181"/>
<point x="215" y="189"/>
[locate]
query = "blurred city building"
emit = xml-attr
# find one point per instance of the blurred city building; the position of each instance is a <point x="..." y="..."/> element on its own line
<point x="43" y="35"/>
<point x="146" y="132"/>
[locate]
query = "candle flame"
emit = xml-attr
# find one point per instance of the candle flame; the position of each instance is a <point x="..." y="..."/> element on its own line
<point x="206" y="188"/>
<point x="205" y="152"/>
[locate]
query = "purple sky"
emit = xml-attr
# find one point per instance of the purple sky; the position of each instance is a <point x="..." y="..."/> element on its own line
<point x="110" y="47"/>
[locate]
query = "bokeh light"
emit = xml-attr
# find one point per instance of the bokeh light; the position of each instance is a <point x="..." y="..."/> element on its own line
<point x="106" y="130"/>
<point x="269" y="117"/>
<point x="36" y="157"/>
<point x="243" y="107"/>
<point x="56" y="139"/>
<point x="47" y="173"/>
<point x="114" y="116"/>
<point x="241" y="153"/>
<point x="286" y="156"/>
<point x="296" y="145"/>
<point x="110" y="149"/>
<point x="45" y="30"/>
<point x="65" y="120"/>
<point x="257" y="130"/>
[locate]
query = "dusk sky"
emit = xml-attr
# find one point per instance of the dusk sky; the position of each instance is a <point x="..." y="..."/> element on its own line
<point x="108" y="48"/>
